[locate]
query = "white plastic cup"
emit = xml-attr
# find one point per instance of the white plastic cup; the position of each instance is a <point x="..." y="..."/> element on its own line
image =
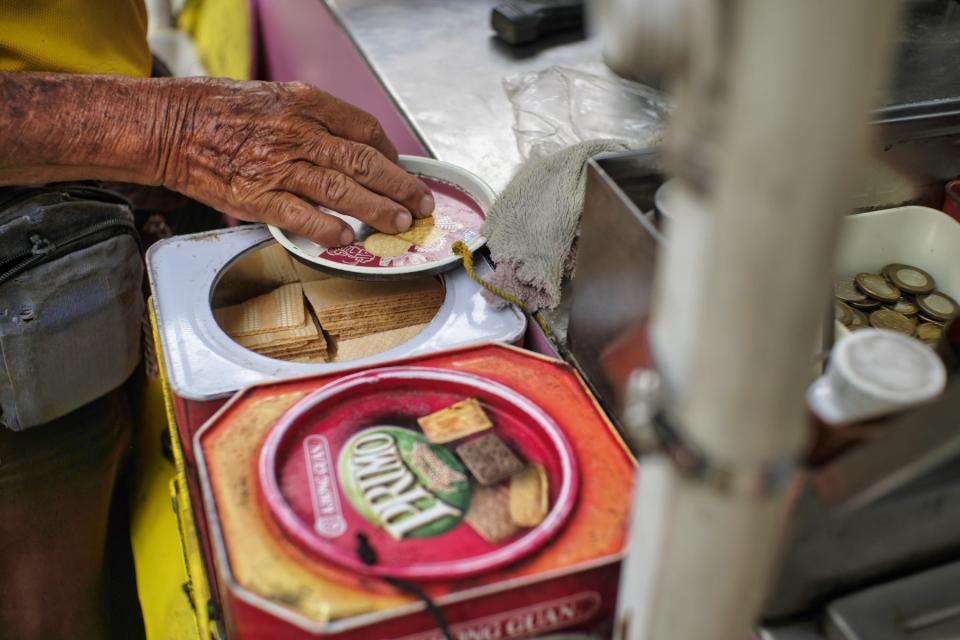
<point x="875" y="372"/>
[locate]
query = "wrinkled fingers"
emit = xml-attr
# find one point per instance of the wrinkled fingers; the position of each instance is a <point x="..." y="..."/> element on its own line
<point x="369" y="168"/>
<point x="293" y="214"/>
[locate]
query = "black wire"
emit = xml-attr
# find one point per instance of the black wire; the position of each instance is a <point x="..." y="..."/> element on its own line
<point x="368" y="556"/>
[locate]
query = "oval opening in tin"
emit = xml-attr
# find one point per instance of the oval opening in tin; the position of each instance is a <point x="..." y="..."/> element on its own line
<point x="280" y="308"/>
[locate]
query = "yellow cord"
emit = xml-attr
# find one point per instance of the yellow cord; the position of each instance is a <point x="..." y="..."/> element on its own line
<point x="461" y="249"/>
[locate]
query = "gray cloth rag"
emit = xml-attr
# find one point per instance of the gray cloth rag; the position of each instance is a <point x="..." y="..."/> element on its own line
<point x="532" y="226"/>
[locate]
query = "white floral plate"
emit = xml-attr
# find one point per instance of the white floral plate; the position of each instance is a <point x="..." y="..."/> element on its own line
<point x="462" y="200"/>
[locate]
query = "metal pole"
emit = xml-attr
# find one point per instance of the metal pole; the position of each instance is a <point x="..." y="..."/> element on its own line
<point x="768" y="134"/>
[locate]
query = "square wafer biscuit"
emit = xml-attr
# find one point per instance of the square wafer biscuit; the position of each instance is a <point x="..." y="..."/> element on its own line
<point x="529" y="496"/>
<point x="352" y="309"/>
<point x="489" y="514"/>
<point x="306" y="331"/>
<point x="374" y="343"/>
<point x="282" y="308"/>
<point x="489" y="459"/>
<point x="254" y="273"/>
<point x="456" y="421"/>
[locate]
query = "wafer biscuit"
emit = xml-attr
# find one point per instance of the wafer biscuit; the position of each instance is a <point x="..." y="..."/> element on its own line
<point x="365" y="346"/>
<point x="351" y="309"/>
<point x="309" y="274"/>
<point x="489" y="514"/>
<point x="489" y="459"/>
<point x="306" y="331"/>
<point x="456" y="421"/>
<point x="271" y="264"/>
<point x="300" y="348"/>
<point x="437" y="475"/>
<point x="254" y="273"/>
<point x="529" y="496"/>
<point x="331" y="293"/>
<point x="282" y="308"/>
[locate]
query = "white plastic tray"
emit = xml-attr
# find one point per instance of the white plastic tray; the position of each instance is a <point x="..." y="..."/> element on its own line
<point x="919" y="236"/>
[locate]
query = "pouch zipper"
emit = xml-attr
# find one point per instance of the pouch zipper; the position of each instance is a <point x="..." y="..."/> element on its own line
<point x="42" y="247"/>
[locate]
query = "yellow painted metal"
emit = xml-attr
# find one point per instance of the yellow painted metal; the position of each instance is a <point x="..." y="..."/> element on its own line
<point x="171" y="578"/>
<point x="221" y="31"/>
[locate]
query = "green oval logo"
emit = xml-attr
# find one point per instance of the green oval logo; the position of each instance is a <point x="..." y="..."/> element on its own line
<point x="402" y="483"/>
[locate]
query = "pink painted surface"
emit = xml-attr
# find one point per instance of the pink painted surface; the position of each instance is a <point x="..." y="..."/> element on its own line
<point x="536" y="340"/>
<point x="301" y="40"/>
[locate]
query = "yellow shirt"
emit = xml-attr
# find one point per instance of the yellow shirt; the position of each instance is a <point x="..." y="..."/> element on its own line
<point x="75" y="36"/>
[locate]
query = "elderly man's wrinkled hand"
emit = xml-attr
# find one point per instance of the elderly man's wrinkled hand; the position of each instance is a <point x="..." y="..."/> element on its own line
<point x="269" y="152"/>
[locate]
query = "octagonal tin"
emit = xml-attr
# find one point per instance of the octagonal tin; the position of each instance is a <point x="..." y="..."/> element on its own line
<point x="272" y="586"/>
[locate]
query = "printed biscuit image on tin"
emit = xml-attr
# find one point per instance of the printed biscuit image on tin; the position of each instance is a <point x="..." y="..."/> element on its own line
<point x="275" y="586"/>
<point x="422" y="463"/>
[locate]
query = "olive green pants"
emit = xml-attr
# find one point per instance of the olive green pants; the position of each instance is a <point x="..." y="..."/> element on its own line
<point x="65" y="564"/>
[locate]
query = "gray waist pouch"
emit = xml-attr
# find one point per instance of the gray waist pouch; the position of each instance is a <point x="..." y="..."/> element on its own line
<point x="71" y="301"/>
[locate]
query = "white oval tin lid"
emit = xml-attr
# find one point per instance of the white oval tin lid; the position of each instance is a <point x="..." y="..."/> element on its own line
<point x="462" y="200"/>
<point x="204" y="363"/>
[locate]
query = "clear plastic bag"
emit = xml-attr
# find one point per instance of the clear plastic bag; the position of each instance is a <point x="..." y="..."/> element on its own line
<point x="558" y="107"/>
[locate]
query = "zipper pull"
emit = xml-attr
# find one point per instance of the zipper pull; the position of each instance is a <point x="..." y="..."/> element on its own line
<point x="40" y="245"/>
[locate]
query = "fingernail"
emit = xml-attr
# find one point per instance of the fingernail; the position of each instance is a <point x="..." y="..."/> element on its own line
<point x="346" y="237"/>
<point x="427" y="205"/>
<point x="404" y="220"/>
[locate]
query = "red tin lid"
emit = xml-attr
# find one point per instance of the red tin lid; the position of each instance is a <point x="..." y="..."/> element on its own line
<point x="333" y="463"/>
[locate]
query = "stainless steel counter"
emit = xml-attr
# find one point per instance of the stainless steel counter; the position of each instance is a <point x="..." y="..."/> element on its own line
<point x="442" y="65"/>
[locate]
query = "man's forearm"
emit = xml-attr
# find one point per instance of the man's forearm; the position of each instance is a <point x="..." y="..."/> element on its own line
<point x="259" y="151"/>
<point x="57" y="127"/>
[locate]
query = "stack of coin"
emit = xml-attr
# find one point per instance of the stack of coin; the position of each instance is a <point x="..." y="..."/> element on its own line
<point x="901" y="297"/>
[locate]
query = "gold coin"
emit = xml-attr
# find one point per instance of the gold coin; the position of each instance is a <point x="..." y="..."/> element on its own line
<point x="905" y="306"/>
<point x="886" y="319"/>
<point x="859" y="321"/>
<point x="866" y="304"/>
<point x="923" y="318"/>
<point x="938" y="306"/>
<point x="876" y="286"/>
<point x="929" y="332"/>
<point x="909" y="278"/>
<point x="847" y="291"/>
<point x="842" y="313"/>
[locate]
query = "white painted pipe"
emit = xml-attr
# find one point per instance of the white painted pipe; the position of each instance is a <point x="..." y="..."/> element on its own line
<point x="779" y="119"/>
